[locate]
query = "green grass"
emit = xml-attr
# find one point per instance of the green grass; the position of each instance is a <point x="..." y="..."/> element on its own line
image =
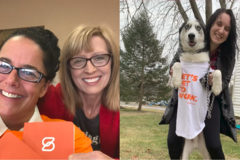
<point x="142" y="138"/>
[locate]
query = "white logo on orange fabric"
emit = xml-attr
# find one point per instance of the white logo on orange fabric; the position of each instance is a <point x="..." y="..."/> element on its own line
<point x="50" y="142"/>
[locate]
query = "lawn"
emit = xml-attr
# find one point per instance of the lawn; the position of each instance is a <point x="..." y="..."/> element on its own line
<point x="142" y="138"/>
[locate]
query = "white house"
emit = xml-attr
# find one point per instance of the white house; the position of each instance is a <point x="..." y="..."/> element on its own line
<point x="236" y="89"/>
<point x="236" y="80"/>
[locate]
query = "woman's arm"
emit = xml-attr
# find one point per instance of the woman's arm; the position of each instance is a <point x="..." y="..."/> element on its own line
<point x="82" y="142"/>
<point x="226" y="78"/>
<point x="98" y="155"/>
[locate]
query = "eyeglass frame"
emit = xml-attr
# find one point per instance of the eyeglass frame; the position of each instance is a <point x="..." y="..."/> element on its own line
<point x="17" y="68"/>
<point x="89" y="59"/>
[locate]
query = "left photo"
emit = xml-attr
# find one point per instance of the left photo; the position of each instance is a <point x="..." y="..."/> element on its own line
<point x="59" y="79"/>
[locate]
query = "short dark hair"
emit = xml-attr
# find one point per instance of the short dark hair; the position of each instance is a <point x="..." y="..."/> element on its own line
<point x="228" y="48"/>
<point x="48" y="43"/>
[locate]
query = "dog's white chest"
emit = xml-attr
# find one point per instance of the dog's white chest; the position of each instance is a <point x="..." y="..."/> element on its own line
<point x="197" y="57"/>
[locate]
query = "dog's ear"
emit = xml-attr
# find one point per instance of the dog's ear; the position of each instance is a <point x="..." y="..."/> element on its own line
<point x="203" y="28"/>
<point x="180" y="29"/>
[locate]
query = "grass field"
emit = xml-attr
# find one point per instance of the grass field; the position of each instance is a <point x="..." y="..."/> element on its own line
<point x="142" y="138"/>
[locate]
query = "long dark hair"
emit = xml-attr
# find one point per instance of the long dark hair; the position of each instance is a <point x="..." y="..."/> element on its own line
<point x="227" y="48"/>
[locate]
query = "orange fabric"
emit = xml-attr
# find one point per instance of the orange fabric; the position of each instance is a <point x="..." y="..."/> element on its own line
<point x="50" y="140"/>
<point x="82" y="142"/>
<point x="18" y="134"/>
<point x="13" y="148"/>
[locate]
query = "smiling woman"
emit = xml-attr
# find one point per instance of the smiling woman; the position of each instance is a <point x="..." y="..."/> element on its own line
<point x="15" y="51"/>
<point x="221" y="36"/>
<point x="89" y="76"/>
<point x="28" y="64"/>
<point x="92" y="78"/>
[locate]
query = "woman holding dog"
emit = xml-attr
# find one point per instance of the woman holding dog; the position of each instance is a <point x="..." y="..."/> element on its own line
<point x="221" y="42"/>
<point x="89" y="91"/>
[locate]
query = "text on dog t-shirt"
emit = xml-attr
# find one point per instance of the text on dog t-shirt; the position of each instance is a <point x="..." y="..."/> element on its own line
<point x="192" y="100"/>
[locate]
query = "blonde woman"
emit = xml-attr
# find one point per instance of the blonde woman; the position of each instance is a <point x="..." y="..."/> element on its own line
<point x="88" y="93"/>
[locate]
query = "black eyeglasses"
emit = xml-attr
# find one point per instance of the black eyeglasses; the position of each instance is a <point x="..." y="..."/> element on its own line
<point x="26" y="74"/>
<point x="97" y="61"/>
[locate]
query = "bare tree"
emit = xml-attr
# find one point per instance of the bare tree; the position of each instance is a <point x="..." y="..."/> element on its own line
<point x="181" y="10"/>
<point x="167" y="16"/>
<point x="222" y="3"/>
<point x="196" y="10"/>
<point x="208" y="7"/>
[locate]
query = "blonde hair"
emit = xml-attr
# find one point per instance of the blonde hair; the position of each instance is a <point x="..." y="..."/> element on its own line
<point x="79" y="40"/>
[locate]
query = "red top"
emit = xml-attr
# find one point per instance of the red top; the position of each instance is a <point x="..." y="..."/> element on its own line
<point x="52" y="106"/>
<point x="213" y="59"/>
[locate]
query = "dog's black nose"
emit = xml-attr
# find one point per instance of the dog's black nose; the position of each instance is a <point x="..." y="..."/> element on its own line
<point x="191" y="36"/>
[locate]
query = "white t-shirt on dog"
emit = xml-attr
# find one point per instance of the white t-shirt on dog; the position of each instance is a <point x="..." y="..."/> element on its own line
<point x="192" y="100"/>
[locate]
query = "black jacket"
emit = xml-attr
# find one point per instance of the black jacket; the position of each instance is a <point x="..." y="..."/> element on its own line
<point x="228" y="124"/>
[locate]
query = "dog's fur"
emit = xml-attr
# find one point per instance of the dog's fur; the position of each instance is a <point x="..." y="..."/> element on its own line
<point x="192" y="48"/>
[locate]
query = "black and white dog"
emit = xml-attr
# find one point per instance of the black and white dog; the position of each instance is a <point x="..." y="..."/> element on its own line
<point x="192" y="48"/>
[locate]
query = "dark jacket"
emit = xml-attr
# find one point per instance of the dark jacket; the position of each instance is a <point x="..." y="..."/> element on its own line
<point x="228" y="124"/>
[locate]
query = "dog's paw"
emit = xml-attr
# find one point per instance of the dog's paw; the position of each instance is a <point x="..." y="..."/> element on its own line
<point x="217" y="82"/>
<point x="177" y="82"/>
<point x="177" y="75"/>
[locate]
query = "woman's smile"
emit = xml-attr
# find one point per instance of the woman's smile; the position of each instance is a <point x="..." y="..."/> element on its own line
<point x="91" y="80"/>
<point x="218" y="36"/>
<point x="10" y="95"/>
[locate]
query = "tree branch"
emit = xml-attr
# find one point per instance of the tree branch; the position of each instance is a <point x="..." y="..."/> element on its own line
<point x="181" y="10"/>
<point x="232" y="3"/>
<point x="129" y="13"/>
<point x="222" y="3"/>
<point x="208" y="7"/>
<point x="195" y="10"/>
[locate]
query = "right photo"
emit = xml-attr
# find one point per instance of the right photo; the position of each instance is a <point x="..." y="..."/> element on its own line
<point x="179" y="79"/>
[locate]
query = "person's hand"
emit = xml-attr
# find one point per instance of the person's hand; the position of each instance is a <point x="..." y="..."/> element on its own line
<point x="171" y="71"/>
<point x="210" y="78"/>
<point x="91" y="155"/>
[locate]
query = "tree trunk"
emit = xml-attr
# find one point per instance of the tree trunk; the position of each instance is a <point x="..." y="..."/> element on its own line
<point x="181" y="10"/>
<point x="195" y="10"/>
<point x="142" y="80"/>
<point x="141" y="90"/>
<point x="222" y="3"/>
<point x="232" y="4"/>
<point x="208" y="7"/>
